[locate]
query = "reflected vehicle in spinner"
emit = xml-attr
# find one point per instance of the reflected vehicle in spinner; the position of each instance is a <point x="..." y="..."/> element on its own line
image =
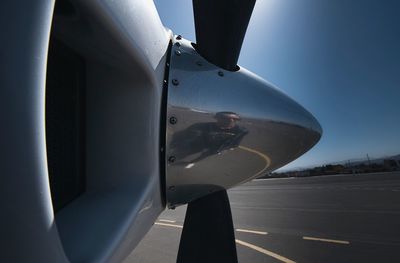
<point x="109" y="118"/>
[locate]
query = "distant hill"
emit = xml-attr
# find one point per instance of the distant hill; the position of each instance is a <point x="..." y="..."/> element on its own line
<point x="365" y="160"/>
<point x="364" y="165"/>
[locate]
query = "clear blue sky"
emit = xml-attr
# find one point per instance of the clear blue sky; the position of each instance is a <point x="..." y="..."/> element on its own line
<point x="339" y="59"/>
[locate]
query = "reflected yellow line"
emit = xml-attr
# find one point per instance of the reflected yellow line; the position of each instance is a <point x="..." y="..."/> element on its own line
<point x="262" y="155"/>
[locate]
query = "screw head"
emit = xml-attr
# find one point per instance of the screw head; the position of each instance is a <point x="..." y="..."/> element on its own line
<point x="171" y="159"/>
<point x="177" y="52"/>
<point x="175" y="82"/>
<point x="173" y="120"/>
<point x="220" y="73"/>
<point x="178" y="37"/>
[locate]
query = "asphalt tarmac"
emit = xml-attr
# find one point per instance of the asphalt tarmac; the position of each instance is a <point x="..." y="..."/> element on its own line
<point x="339" y="218"/>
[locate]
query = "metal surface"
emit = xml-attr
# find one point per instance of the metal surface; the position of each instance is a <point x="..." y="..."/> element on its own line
<point x="28" y="229"/>
<point x="232" y="127"/>
<point x="124" y="45"/>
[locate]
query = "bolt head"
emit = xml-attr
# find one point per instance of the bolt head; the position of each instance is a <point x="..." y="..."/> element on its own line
<point x="178" y="37"/>
<point x="177" y="52"/>
<point x="171" y="159"/>
<point x="220" y="73"/>
<point x="198" y="63"/>
<point x="175" y="82"/>
<point x="173" y="120"/>
<point x="177" y="44"/>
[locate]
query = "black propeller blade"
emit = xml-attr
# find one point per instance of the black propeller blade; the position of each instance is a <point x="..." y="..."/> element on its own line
<point x="220" y="29"/>
<point x="208" y="234"/>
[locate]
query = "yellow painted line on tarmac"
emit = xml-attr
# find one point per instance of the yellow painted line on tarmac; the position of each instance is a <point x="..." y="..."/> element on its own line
<point x="344" y="242"/>
<point x="264" y="251"/>
<point x="166" y="220"/>
<point x="251" y="231"/>
<point x="171" y="225"/>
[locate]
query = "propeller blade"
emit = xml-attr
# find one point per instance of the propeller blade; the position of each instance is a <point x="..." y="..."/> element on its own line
<point x="208" y="234"/>
<point x="220" y="29"/>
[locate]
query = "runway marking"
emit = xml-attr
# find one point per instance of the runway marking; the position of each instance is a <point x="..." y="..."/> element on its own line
<point x="251" y="231"/>
<point x="240" y="242"/>
<point x="171" y="225"/>
<point x="327" y="240"/>
<point x="166" y="220"/>
<point x="264" y="251"/>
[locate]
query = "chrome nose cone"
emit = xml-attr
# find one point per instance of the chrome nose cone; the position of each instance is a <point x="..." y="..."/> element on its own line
<point x="225" y="128"/>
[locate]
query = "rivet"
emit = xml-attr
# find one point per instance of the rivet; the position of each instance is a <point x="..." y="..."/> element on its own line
<point x="178" y="37"/>
<point x="177" y="52"/>
<point x="175" y="82"/>
<point x="220" y="73"/>
<point x="171" y="159"/>
<point x="173" y="120"/>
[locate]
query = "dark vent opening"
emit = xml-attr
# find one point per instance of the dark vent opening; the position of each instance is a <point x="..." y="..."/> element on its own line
<point x="65" y="123"/>
<point x="64" y="7"/>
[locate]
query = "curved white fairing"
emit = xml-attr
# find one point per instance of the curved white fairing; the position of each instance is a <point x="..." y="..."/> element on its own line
<point x="124" y="48"/>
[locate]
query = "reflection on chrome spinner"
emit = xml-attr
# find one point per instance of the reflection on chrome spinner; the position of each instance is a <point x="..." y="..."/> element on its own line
<point x="225" y="128"/>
